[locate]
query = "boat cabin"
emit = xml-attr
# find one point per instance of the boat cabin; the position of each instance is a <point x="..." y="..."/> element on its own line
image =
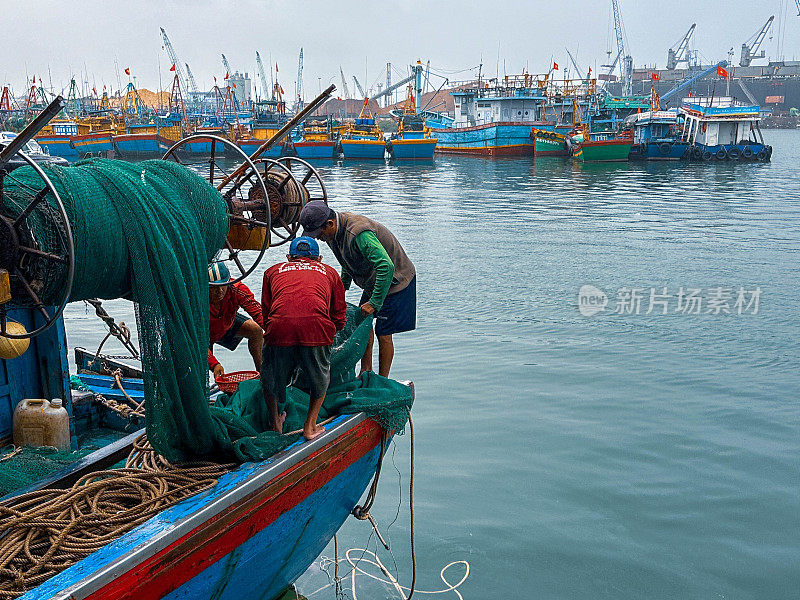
<point x="720" y="122"/>
<point x="501" y="104"/>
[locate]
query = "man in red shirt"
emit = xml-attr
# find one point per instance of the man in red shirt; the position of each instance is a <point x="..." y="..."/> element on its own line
<point x="304" y="307"/>
<point x="227" y="326"/>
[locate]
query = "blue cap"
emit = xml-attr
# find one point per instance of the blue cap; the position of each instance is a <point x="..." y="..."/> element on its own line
<point x="304" y="246"/>
<point x="218" y="273"/>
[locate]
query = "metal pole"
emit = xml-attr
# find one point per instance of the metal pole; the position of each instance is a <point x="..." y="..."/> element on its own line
<point x="26" y="135"/>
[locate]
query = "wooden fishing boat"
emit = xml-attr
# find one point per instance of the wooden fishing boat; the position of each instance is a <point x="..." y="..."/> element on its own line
<point x="249" y="536"/>
<point x="363" y="138"/>
<point x="316" y="139"/>
<point x="602" y="147"/>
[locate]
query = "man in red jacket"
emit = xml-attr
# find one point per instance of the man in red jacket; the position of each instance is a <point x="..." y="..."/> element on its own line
<point x="304" y="307"/>
<point x="227" y="326"/>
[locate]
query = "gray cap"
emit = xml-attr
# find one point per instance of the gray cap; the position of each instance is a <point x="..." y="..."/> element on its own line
<point x="313" y="217"/>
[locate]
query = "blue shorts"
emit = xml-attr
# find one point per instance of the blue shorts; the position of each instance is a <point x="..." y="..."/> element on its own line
<point x="399" y="310"/>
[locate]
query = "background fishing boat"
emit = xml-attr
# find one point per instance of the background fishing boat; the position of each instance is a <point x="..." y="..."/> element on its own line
<point x="723" y="129"/>
<point x="316" y="139"/>
<point x="413" y="139"/>
<point x="363" y="138"/>
<point x="494" y="121"/>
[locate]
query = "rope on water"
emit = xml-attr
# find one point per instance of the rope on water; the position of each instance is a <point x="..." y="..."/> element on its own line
<point x="46" y="531"/>
<point x="386" y="576"/>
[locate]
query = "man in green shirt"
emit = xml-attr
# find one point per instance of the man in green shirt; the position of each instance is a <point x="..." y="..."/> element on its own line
<point x="374" y="260"/>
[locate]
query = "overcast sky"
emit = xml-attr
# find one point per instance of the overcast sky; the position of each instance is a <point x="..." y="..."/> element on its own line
<point x="55" y="39"/>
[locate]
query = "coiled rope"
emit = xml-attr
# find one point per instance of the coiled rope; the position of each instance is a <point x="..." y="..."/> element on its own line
<point x="46" y="531"/>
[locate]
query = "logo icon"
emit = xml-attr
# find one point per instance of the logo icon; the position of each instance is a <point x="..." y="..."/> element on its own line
<point x="591" y="300"/>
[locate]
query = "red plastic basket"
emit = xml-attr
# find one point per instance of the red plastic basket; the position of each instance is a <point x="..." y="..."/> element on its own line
<point x="230" y="381"/>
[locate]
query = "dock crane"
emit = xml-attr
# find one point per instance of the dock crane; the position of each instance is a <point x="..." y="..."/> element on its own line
<point x="174" y="58"/>
<point x="298" y="88"/>
<point x="192" y="83"/>
<point x="344" y="85"/>
<point x="578" y="70"/>
<point x="227" y="66"/>
<point x="626" y="68"/>
<point x="679" y="53"/>
<point x="751" y="46"/>
<point x="262" y="75"/>
<point x="358" y="86"/>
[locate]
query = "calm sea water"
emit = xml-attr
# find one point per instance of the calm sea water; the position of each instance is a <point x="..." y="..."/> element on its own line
<point x="569" y="456"/>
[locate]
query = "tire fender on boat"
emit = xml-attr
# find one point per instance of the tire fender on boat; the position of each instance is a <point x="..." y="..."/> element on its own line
<point x="721" y="154"/>
<point x="734" y="153"/>
<point x="707" y="155"/>
<point x="665" y="148"/>
<point x="762" y="154"/>
<point x="747" y="152"/>
<point x="696" y="153"/>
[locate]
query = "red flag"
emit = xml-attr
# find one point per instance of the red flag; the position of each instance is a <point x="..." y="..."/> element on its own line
<point x="215" y="80"/>
<point x="34" y="80"/>
<point x="722" y="72"/>
<point x="280" y="86"/>
<point x="590" y="71"/>
<point x="234" y="85"/>
<point x="276" y="67"/>
<point x="128" y="71"/>
<point x="227" y="74"/>
<point x="655" y="76"/>
<point x="555" y="66"/>
<point x="172" y="68"/>
<point x="95" y="91"/>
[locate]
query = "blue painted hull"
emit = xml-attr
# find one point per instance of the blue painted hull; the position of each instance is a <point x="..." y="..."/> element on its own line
<point x="659" y="151"/>
<point x="493" y="139"/>
<point x="413" y="149"/>
<point x="250" y="146"/>
<point x="731" y="152"/>
<point x="314" y="149"/>
<point x="58" y="145"/>
<point x="249" y="537"/>
<point x="135" y="144"/>
<point x="364" y="149"/>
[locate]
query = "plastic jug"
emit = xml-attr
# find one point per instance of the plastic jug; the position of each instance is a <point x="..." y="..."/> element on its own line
<point x="39" y="422"/>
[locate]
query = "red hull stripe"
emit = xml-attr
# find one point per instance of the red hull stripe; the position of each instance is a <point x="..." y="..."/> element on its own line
<point x="521" y="150"/>
<point x="188" y="556"/>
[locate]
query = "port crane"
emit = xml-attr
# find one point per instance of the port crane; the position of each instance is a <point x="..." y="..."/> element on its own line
<point x="344" y="85"/>
<point x="574" y="64"/>
<point x="261" y="74"/>
<point x="751" y="46"/>
<point x="227" y="66"/>
<point x="679" y="53"/>
<point x="392" y="88"/>
<point x="174" y="58"/>
<point x="359" y="88"/>
<point x="192" y="83"/>
<point x="299" y="85"/>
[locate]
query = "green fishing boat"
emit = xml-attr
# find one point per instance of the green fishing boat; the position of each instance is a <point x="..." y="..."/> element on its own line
<point x="602" y="147"/>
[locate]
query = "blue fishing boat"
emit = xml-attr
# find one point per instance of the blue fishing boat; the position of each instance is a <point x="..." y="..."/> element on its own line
<point x="363" y="139"/>
<point x="413" y="139"/>
<point x="494" y="121"/>
<point x="219" y="531"/>
<point x="56" y="138"/>
<point x="723" y="129"/>
<point x="315" y="139"/>
<point x="656" y="136"/>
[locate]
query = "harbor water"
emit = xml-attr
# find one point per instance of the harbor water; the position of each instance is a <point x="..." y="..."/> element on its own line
<point x="648" y="450"/>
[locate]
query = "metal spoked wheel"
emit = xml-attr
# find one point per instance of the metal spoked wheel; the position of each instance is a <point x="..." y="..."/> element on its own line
<point x="223" y="164"/>
<point x="36" y="247"/>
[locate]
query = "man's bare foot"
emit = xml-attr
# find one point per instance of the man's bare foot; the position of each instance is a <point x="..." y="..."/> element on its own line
<point x="313" y="431"/>
<point x="278" y="428"/>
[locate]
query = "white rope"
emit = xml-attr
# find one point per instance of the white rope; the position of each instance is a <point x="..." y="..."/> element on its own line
<point x="387" y="578"/>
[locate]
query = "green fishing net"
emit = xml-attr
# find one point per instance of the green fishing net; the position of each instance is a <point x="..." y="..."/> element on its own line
<point x="147" y="231"/>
